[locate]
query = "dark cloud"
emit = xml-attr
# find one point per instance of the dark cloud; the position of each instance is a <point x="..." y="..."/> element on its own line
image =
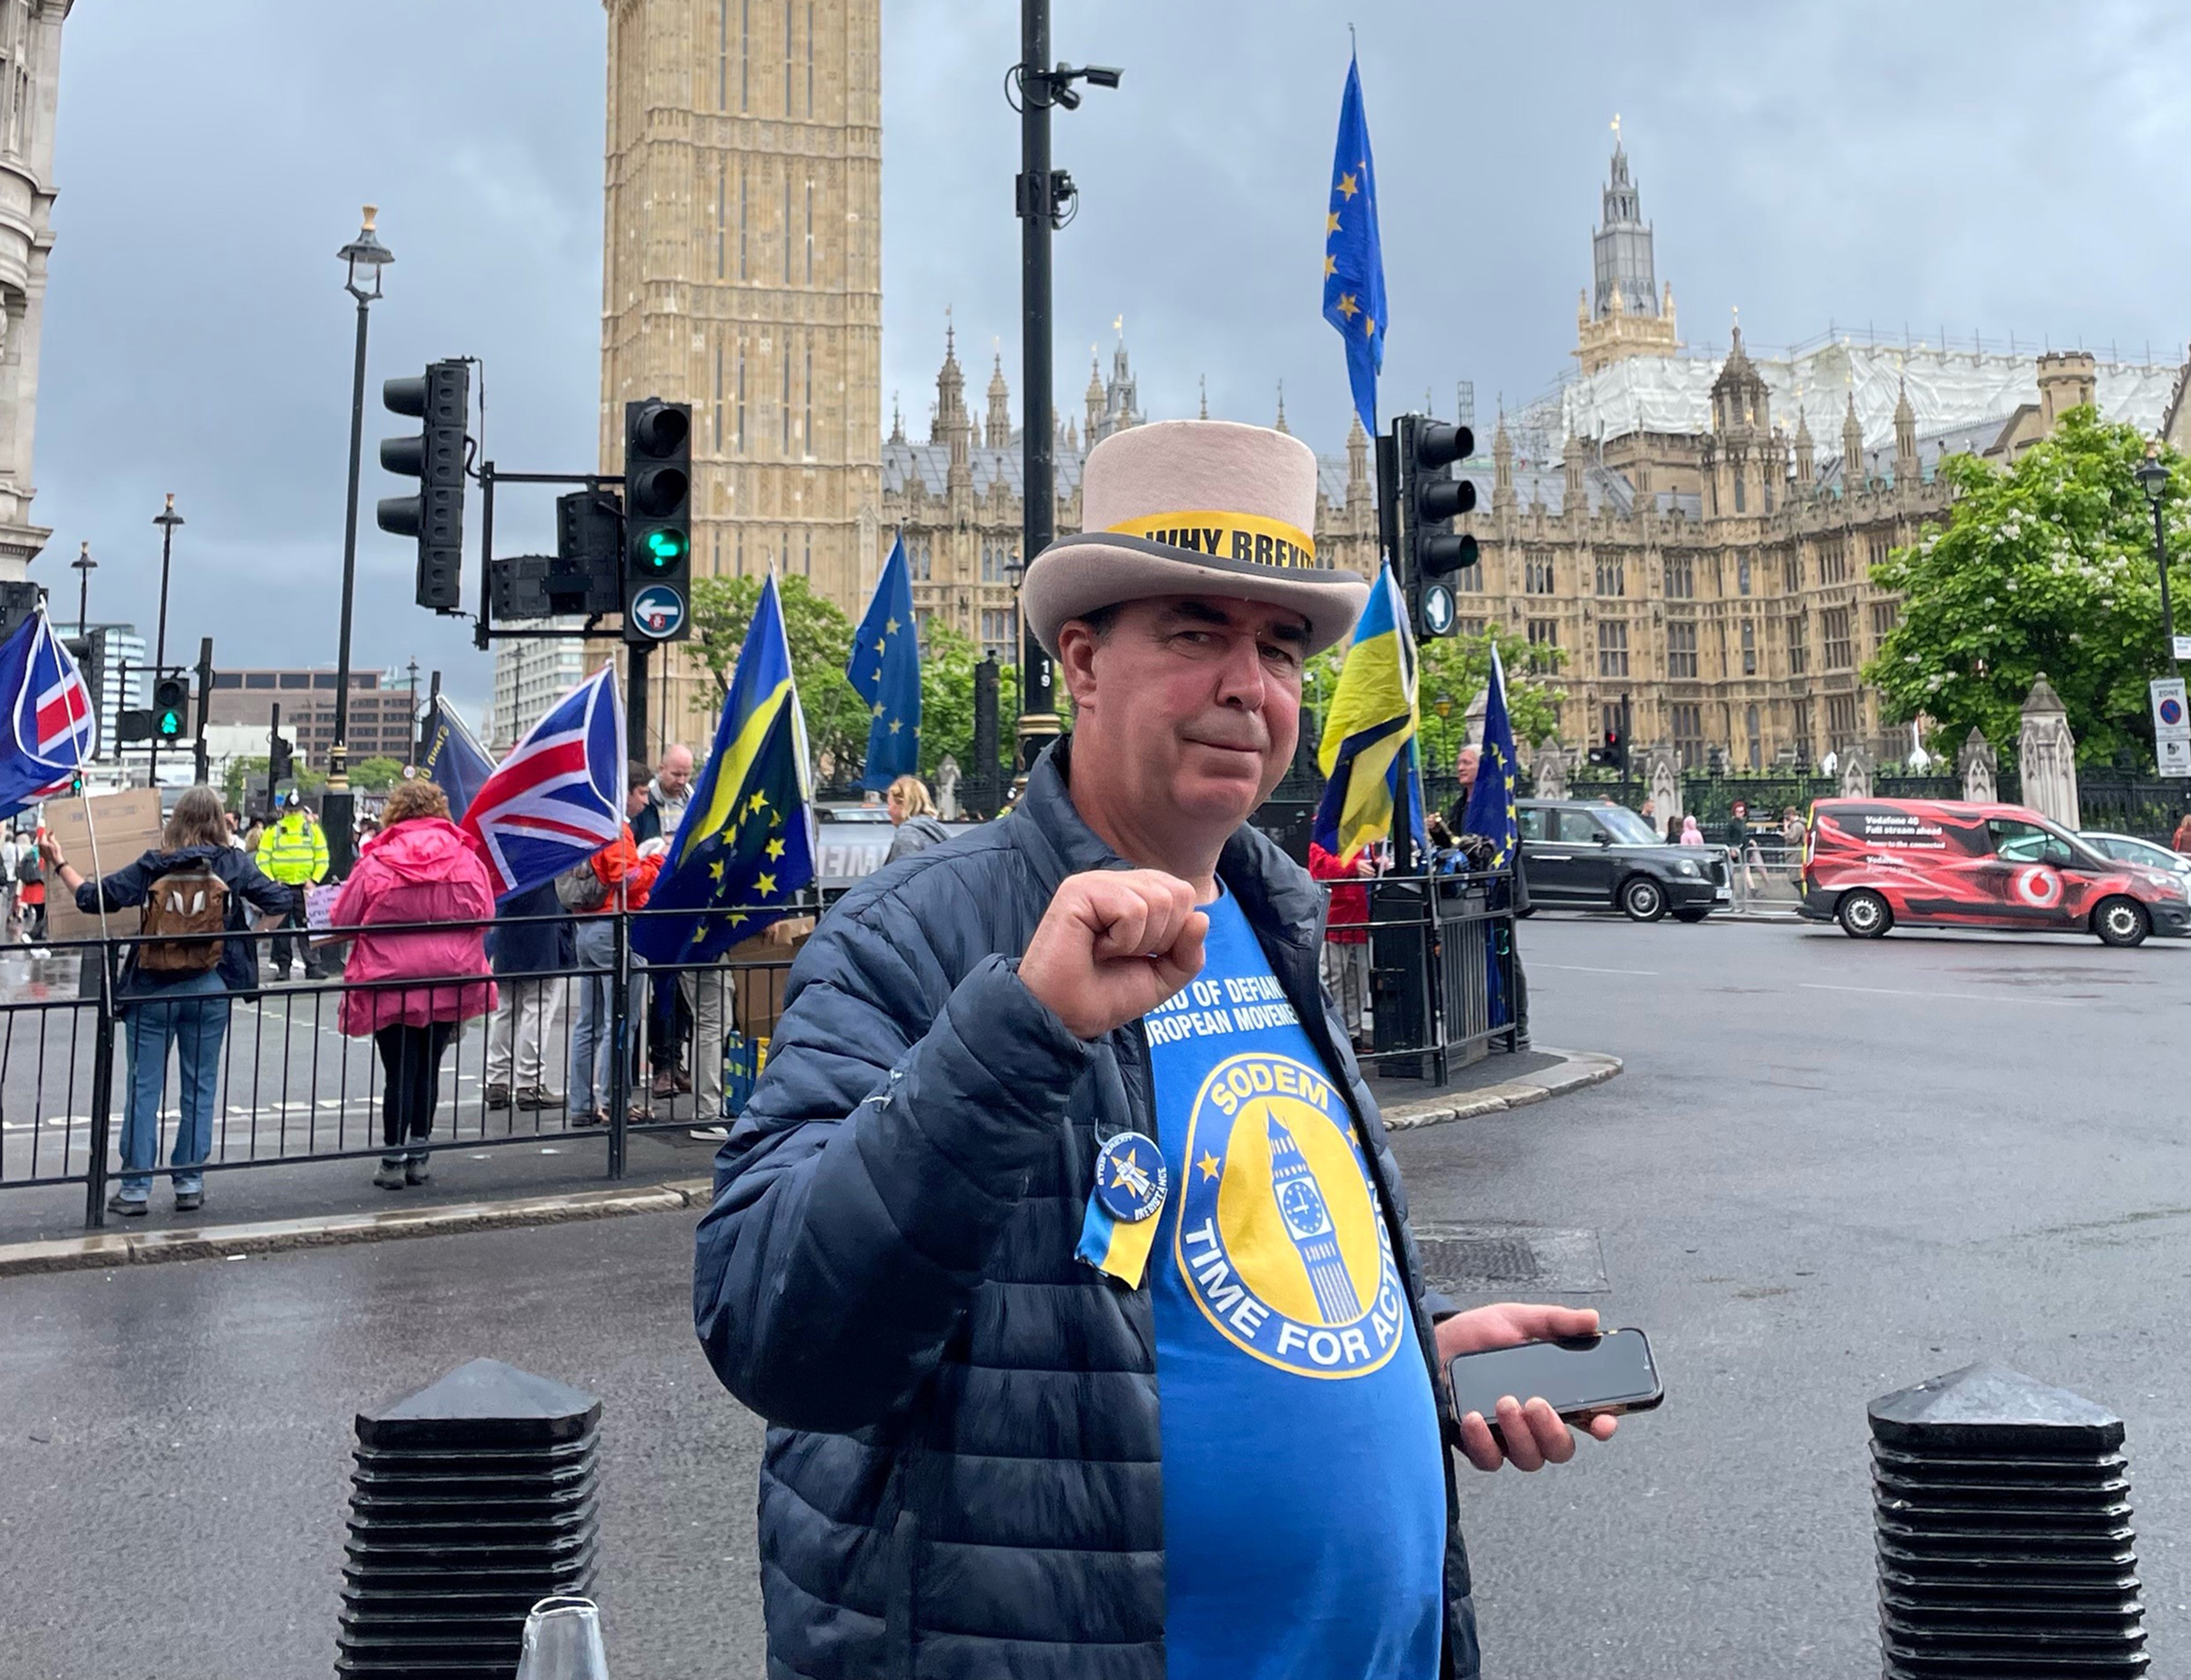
<point x="1965" y="164"/>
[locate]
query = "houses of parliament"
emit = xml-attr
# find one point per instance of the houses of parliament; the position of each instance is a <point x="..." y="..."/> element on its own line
<point x="1694" y="529"/>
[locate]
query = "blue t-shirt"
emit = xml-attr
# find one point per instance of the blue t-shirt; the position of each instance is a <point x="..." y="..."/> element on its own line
<point x="1304" y="1475"/>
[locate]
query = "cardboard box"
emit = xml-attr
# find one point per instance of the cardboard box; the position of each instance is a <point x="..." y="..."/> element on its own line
<point x="129" y="825"/>
<point x="759" y="968"/>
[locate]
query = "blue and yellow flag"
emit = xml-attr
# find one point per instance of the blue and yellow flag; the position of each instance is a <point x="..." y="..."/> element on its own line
<point x="885" y="671"/>
<point x="1353" y="258"/>
<point x="746" y="846"/>
<point x="1367" y="753"/>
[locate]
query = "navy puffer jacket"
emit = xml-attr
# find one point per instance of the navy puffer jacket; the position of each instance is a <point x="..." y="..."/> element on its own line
<point x="964" y="1470"/>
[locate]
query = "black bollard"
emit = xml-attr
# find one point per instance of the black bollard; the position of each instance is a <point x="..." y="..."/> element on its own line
<point x="473" y="1500"/>
<point x="2004" y="1541"/>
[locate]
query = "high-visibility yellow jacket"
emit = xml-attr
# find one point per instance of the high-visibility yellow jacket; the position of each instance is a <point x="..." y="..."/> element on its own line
<point x="294" y="851"/>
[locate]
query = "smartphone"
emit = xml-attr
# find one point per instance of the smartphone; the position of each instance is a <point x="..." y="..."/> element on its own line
<point x="1580" y="1377"/>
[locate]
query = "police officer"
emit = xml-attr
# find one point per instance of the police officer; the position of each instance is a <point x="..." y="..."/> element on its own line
<point x="293" y="851"/>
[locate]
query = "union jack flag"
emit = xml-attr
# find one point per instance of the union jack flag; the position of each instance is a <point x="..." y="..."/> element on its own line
<point x="558" y="798"/>
<point x="50" y="732"/>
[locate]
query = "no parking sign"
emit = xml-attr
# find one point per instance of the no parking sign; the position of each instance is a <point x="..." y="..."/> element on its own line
<point x="2171" y="726"/>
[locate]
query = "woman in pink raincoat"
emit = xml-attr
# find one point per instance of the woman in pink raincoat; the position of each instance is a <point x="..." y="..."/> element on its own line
<point x="418" y="868"/>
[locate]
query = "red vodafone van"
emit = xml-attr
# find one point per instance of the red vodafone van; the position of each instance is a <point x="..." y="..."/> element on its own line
<point x="1871" y="864"/>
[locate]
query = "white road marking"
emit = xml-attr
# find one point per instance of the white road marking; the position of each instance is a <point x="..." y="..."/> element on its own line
<point x="1959" y="997"/>
<point x="1581" y="968"/>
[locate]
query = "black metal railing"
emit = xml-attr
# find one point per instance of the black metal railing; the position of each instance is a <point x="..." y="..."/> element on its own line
<point x="286" y="1072"/>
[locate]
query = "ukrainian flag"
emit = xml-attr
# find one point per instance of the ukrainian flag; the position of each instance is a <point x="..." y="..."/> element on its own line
<point x="1367" y="754"/>
<point x="746" y="848"/>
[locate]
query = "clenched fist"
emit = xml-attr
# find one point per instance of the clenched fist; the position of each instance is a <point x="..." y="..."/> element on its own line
<point x="1113" y="944"/>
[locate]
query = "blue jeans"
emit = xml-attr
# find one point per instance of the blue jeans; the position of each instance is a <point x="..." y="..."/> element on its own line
<point x="192" y="1014"/>
<point x="589" y="1083"/>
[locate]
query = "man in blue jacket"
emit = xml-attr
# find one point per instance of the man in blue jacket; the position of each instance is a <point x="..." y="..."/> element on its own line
<point x="1060" y="1243"/>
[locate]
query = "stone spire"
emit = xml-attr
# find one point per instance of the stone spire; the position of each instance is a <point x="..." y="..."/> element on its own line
<point x="1804" y="457"/>
<point x="897" y="421"/>
<point x="1204" y="415"/>
<point x="1281" y="424"/>
<point x="1573" y="501"/>
<point x="1502" y="467"/>
<point x="1357" y="462"/>
<point x="1000" y="406"/>
<point x="1852" y="474"/>
<point x="1905" y="439"/>
<point x="1093" y="429"/>
<point x="950" y="392"/>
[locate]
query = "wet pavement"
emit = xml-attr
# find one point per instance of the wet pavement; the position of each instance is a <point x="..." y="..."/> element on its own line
<point x="1829" y="1169"/>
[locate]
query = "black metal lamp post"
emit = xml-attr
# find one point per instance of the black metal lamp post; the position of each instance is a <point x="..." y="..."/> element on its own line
<point x="83" y="565"/>
<point x="2153" y="479"/>
<point x="1045" y="201"/>
<point x="365" y="257"/>
<point x="411" y="735"/>
<point x="167" y="519"/>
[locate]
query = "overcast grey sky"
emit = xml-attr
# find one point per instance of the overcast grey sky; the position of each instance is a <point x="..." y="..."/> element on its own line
<point x="1990" y="165"/>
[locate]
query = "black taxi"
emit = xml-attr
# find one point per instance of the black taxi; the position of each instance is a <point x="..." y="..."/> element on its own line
<point x="1595" y="855"/>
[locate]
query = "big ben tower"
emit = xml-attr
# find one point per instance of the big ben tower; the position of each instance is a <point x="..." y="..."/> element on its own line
<point x="742" y="273"/>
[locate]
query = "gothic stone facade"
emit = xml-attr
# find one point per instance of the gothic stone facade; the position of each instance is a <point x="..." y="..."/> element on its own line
<point x="742" y="273"/>
<point x="29" y="88"/>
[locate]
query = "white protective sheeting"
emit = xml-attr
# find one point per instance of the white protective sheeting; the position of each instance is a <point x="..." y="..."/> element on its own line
<point x="1948" y="389"/>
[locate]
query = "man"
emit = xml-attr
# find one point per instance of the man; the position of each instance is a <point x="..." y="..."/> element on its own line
<point x="970" y="1472"/>
<point x="532" y="948"/>
<point x="669" y="1015"/>
<point x="1464" y="769"/>
<point x="293" y="851"/>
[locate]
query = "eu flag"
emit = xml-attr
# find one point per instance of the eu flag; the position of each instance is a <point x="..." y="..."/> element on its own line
<point x="1491" y="810"/>
<point x="1367" y="753"/>
<point x="1353" y="260"/>
<point x="746" y="847"/>
<point x="886" y="672"/>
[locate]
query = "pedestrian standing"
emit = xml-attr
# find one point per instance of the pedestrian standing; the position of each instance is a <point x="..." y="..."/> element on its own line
<point x="1791" y="834"/>
<point x="1345" y="955"/>
<point x="1082" y="1302"/>
<point x="657" y="817"/>
<point x="411" y="989"/>
<point x="191" y="955"/>
<point x="293" y="851"/>
<point x="1674" y="820"/>
<point x="2181" y="842"/>
<point x="1742" y="845"/>
<point x="1691" y="834"/>
<point x="532" y="950"/>
<point x="1464" y="765"/>
<point x="617" y="877"/>
<point x="912" y="814"/>
<point x="13" y="845"/>
<point x="31" y="888"/>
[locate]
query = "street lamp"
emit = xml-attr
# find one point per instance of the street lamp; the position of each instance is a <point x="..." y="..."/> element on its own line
<point x="364" y="257"/>
<point x="83" y="565"/>
<point x="167" y="519"/>
<point x="2153" y="479"/>
<point x="411" y="735"/>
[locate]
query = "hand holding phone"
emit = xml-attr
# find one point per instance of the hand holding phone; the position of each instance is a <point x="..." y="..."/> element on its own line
<point x="1524" y="1396"/>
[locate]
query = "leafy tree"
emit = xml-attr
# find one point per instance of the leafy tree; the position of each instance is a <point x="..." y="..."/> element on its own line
<point x="375" y="775"/>
<point x="1454" y="668"/>
<point x="243" y="784"/>
<point x="948" y="661"/>
<point x="2047" y="566"/>
<point x="821" y="637"/>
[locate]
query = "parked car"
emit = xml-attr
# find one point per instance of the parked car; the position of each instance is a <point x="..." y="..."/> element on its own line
<point x="1875" y="864"/>
<point x="1594" y="854"/>
<point x="2129" y="849"/>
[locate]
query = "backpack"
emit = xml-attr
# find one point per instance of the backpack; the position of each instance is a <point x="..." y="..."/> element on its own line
<point x="184" y="915"/>
<point x="579" y="889"/>
<point x="28" y="871"/>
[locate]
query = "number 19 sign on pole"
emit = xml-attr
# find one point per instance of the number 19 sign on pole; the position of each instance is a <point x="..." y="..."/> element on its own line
<point x="2171" y="726"/>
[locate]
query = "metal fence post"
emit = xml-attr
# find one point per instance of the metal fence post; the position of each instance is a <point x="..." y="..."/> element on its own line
<point x="623" y="1038"/>
<point x="102" y="1094"/>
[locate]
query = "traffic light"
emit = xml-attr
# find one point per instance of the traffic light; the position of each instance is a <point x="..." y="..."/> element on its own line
<point x="1613" y="754"/>
<point x="281" y="760"/>
<point x="1430" y="496"/>
<point x="170" y="696"/>
<point x="657" y="499"/>
<point x="440" y="399"/>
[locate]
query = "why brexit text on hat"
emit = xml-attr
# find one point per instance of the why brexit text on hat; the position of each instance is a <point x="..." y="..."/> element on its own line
<point x="1250" y="538"/>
